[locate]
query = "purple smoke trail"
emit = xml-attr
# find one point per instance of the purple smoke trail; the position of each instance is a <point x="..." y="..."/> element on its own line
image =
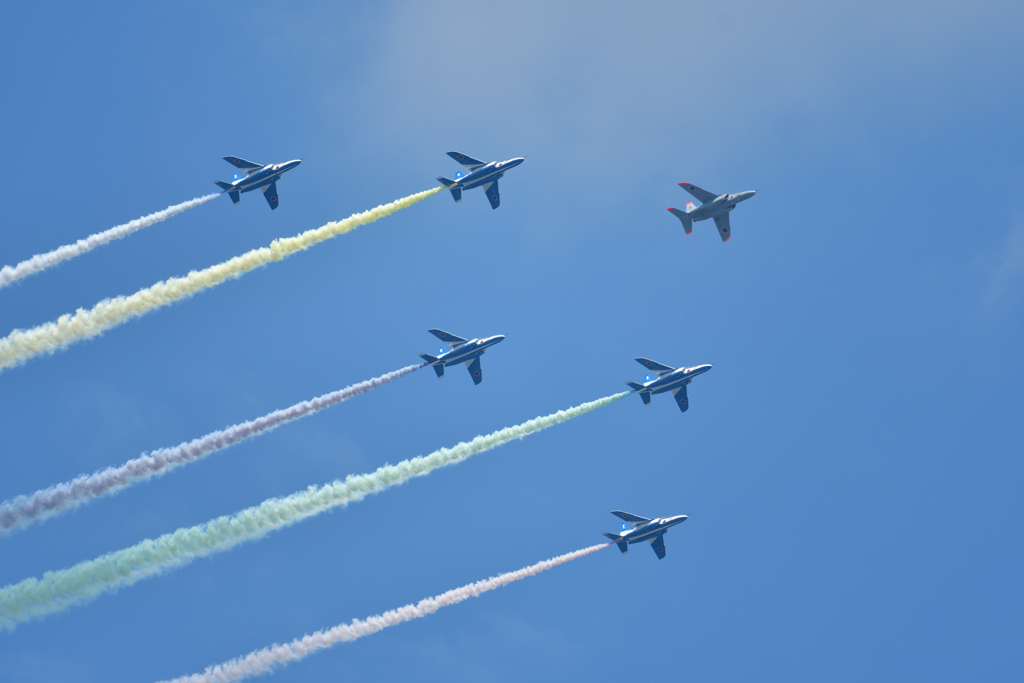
<point x="265" y="660"/>
<point x="24" y="510"/>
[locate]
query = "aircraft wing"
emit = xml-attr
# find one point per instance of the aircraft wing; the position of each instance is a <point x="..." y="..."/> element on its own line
<point x="701" y="195"/>
<point x="681" y="400"/>
<point x="631" y="518"/>
<point x="722" y="223"/>
<point x="474" y="370"/>
<point x="270" y="192"/>
<point x="466" y="160"/>
<point x="658" y="545"/>
<point x="242" y="164"/>
<point x="492" y="194"/>
<point x="448" y="338"/>
<point x="655" y="366"/>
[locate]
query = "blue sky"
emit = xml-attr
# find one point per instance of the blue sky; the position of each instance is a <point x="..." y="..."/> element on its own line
<point x="851" y="466"/>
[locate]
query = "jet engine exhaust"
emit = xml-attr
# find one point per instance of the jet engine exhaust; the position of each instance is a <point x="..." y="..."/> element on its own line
<point x="86" y="581"/>
<point x="40" y="262"/>
<point x="21" y="345"/>
<point x="265" y="660"/>
<point x="24" y="510"/>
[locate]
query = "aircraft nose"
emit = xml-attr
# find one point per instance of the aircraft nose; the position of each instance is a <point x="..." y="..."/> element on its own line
<point x="496" y="338"/>
<point x="516" y="161"/>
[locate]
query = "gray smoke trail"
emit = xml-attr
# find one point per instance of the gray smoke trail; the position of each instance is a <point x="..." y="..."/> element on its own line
<point x="24" y="510"/>
<point x="265" y="660"/>
<point x="86" y="581"/>
<point x="9" y="274"/>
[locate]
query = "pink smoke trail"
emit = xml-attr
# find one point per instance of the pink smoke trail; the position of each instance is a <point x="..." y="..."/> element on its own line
<point x="265" y="660"/>
<point x="24" y="510"/>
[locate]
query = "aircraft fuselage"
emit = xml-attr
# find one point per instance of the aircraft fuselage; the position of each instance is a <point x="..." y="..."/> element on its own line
<point x="487" y="173"/>
<point x="721" y="204"/>
<point x="653" y="528"/>
<point x="474" y="348"/>
<point x="675" y="379"/>
<point x="268" y="174"/>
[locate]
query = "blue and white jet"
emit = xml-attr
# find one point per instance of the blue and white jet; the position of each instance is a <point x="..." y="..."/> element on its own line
<point x="666" y="378"/>
<point x="480" y="175"/>
<point x="712" y="206"/>
<point x="258" y="177"/>
<point x="466" y="351"/>
<point x="635" y="529"/>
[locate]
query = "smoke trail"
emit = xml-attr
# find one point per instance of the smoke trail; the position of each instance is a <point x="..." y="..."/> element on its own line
<point x="20" y="345"/>
<point x="24" y="510"/>
<point x="9" y="274"/>
<point x="86" y="581"/>
<point x="265" y="660"/>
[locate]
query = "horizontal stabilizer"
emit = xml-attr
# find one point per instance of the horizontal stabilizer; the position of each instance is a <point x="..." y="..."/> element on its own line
<point x="456" y="191"/>
<point x="435" y="363"/>
<point x="683" y="218"/>
<point x="235" y="196"/>
<point x="645" y="396"/>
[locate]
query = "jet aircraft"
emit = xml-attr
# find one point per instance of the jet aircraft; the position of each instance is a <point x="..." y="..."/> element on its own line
<point x="712" y="206"/>
<point x="668" y="379"/>
<point x="635" y="529"/>
<point x="462" y="351"/>
<point x="480" y="175"/>
<point x="258" y="177"/>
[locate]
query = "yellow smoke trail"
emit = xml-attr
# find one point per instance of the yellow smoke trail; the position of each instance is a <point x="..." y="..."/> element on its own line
<point x="20" y="345"/>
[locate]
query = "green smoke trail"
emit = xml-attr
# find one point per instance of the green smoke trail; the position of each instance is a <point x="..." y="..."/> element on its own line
<point x="86" y="581"/>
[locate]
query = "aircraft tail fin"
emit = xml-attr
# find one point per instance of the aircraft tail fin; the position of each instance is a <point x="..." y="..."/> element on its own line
<point x="456" y="191"/>
<point x="438" y="367"/>
<point x="683" y="217"/>
<point x="645" y="396"/>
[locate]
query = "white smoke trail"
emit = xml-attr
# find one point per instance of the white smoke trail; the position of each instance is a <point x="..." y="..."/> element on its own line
<point x="20" y="345"/>
<point x="24" y="510"/>
<point x="265" y="660"/>
<point x="86" y="581"/>
<point x="9" y="274"/>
